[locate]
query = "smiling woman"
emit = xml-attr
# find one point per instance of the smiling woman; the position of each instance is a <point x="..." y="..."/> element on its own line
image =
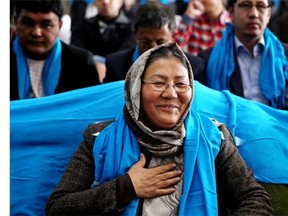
<point x="166" y="93"/>
<point x="134" y="164"/>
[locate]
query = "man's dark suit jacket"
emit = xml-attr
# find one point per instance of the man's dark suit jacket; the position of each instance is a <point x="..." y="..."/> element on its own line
<point x="236" y="86"/>
<point x="90" y="36"/>
<point x="118" y="64"/>
<point x="77" y="71"/>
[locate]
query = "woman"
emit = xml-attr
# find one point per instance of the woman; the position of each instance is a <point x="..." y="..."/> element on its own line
<point x="185" y="167"/>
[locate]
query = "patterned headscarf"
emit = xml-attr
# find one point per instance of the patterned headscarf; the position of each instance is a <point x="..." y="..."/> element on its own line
<point x="165" y="142"/>
<point x="118" y="146"/>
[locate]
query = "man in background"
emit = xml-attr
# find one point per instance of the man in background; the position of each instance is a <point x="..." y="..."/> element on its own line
<point x="154" y="24"/>
<point x="40" y="64"/>
<point x="249" y="60"/>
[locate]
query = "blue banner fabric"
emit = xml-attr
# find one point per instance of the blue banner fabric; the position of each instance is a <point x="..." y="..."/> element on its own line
<point x="45" y="132"/>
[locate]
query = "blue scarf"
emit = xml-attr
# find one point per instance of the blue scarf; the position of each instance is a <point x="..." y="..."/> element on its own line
<point x="51" y="71"/>
<point x="116" y="150"/>
<point x="273" y="67"/>
<point x="136" y="54"/>
<point x="166" y="2"/>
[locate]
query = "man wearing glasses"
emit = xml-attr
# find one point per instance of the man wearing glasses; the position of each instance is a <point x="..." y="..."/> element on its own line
<point x="249" y="60"/>
<point x="154" y="24"/>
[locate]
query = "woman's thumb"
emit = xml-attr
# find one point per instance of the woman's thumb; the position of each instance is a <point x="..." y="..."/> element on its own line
<point x="142" y="160"/>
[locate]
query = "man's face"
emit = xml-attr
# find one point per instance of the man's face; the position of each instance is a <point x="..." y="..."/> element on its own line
<point x="37" y="32"/>
<point x="250" y="18"/>
<point x="109" y="8"/>
<point x="147" y="38"/>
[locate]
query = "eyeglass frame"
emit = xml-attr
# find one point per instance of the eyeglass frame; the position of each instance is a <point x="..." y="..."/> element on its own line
<point x="247" y="6"/>
<point x="167" y="85"/>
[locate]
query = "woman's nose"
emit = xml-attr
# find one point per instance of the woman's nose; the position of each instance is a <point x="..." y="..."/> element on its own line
<point x="170" y="92"/>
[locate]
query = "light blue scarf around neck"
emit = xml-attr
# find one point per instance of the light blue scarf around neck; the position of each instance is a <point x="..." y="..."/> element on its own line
<point x="51" y="70"/>
<point x="136" y="54"/>
<point x="116" y="150"/>
<point x="273" y="67"/>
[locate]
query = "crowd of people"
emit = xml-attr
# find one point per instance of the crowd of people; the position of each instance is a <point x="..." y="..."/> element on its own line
<point x="152" y="46"/>
<point x="122" y="30"/>
<point x="166" y="158"/>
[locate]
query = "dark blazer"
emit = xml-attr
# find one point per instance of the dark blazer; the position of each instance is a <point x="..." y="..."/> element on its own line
<point x="236" y="86"/>
<point x="118" y="64"/>
<point x="236" y="186"/>
<point x="90" y="36"/>
<point x="77" y="71"/>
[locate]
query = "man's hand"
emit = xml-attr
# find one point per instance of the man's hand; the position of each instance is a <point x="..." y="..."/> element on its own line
<point x="153" y="182"/>
<point x="195" y="8"/>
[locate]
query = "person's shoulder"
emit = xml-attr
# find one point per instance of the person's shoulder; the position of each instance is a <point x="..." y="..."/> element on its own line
<point x="204" y="54"/>
<point x="193" y="58"/>
<point x="92" y="20"/>
<point x="72" y="49"/>
<point x="88" y="26"/>
<point x="96" y="127"/>
<point x="122" y="19"/>
<point x="121" y="53"/>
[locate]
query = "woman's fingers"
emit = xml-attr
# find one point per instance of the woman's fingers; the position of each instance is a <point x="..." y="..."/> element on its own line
<point x="153" y="182"/>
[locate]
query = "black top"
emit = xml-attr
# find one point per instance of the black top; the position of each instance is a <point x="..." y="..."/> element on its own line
<point x="77" y="71"/>
<point x="118" y="64"/>
<point x="90" y="35"/>
<point x="236" y="186"/>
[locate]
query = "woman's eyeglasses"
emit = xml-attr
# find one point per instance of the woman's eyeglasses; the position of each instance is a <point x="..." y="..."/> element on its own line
<point x="179" y="87"/>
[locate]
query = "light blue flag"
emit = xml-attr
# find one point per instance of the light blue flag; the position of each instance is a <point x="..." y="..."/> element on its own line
<point x="46" y="131"/>
<point x="260" y="131"/>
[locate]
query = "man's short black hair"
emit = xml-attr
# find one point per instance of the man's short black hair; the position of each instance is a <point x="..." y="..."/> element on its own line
<point x="43" y="6"/>
<point x="155" y="15"/>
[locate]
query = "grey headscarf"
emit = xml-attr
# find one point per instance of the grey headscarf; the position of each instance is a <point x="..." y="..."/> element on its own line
<point x="165" y="142"/>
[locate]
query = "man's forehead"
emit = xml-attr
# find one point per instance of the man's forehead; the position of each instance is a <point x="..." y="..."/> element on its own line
<point x="43" y="15"/>
<point x="254" y="1"/>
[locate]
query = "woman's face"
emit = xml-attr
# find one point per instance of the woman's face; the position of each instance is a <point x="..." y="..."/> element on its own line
<point x="162" y="110"/>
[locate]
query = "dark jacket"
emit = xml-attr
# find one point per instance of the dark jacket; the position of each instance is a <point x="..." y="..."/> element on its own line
<point x="236" y="86"/>
<point x="118" y="64"/>
<point x="77" y="71"/>
<point x="236" y="185"/>
<point x="90" y="35"/>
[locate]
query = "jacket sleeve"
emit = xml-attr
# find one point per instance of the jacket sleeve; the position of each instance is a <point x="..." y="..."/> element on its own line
<point x="237" y="188"/>
<point x="74" y="195"/>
